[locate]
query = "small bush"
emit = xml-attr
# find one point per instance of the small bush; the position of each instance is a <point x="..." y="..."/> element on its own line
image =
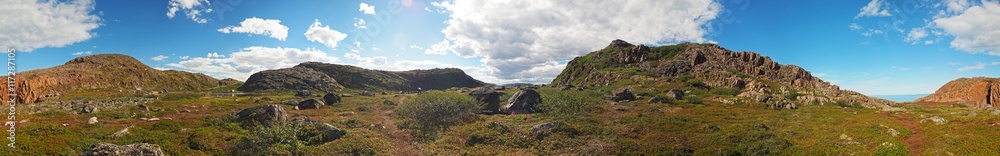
<point x="693" y="99"/>
<point x="725" y="91"/>
<point x="562" y="104"/>
<point x="793" y="95"/>
<point x="433" y="112"/>
<point x="696" y="83"/>
<point x="283" y="139"/>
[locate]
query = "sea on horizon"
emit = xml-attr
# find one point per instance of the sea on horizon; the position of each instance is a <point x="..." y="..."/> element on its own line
<point x="901" y="98"/>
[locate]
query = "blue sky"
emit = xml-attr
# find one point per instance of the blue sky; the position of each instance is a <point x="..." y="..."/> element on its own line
<point x="876" y="47"/>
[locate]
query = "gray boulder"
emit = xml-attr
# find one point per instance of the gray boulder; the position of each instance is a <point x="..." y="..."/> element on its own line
<point x="310" y="104"/>
<point x="331" y="98"/>
<point x="489" y="97"/>
<point x="675" y="94"/>
<point x="87" y="109"/>
<point x="622" y="94"/>
<point x="108" y="149"/>
<point x="324" y="131"/>
<point x="523" y="101"/>
<point x="265" y="115"/>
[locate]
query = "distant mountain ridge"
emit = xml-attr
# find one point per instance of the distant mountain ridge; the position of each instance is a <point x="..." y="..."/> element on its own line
<point x="102" y="71"/>
<point x="754" y="74"/>
<point x="325" y="77"/>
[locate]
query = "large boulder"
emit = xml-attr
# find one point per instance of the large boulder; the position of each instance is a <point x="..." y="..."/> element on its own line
<point x="675" y="94"/>
<point x="331" y="98"/>
<point x="489" y="97"/>
<point x="622" y="94"/>
<point x="108" y="149"/>
<point x="310" y="104"/>
<point x="265" y="115"/>
<point x="523" y="101"/>
<point x="324" y="131"/>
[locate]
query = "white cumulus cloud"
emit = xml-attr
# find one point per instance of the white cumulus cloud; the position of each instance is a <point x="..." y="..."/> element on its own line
<point x="874" y="9"/>
<point x="367" y="9"/>
<point x="323" y="34"/>
<point x="517" y="40"/>
<point x="241" y="64"/>
<point x="360" y="24"/>
<point x="915" y="35"/>
<point x="82" y="53"/>
<point x="159" y="58"/>
<point x="977" y="66"/>
<point x="258" y="26"/>
<point x="29" y="24"/>
<point x="193" y="9"/>
<point x="440" y="48"/>
<point x="976" y="30"/>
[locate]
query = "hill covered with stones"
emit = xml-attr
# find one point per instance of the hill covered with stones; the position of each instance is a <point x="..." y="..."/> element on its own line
<point x="102" y="71"/>
<point x="755" y="77"/>
<point x="325" y="77"/>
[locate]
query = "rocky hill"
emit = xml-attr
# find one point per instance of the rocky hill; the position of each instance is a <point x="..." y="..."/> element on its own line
<point x="757" y="77"/>
<point x="102" y="71"/>
<point x="324" y="77"/>
<point x="973" y="92"/>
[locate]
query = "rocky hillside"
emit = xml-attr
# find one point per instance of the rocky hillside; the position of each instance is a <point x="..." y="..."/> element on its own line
<point x="324" y="76"/>
<point x="973" y="92"/>
<point x="757" y="77"/>
<point x="102" y="71"/>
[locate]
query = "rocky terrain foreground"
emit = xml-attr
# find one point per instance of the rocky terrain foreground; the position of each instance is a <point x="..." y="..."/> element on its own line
<point x="625" y="99"/>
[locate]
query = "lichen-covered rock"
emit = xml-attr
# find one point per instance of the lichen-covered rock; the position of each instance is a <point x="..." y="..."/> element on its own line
<point x="265" y="115"/>
<point x="331" y="98"/>
<point x="622" y="94"/>
<point x="524" y="101"/>
<point x="310" y="104"/>
<point x="489" y="97"/>
<point x="136" y="149"/>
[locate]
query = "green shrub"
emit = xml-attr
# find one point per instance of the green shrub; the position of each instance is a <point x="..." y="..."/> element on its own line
<point x="793" y="95"/>
<point x="725" y="91"/>
<point x="282" y="139"/>
<point x="566" y="104"/>
<point x="693" y="99"/>
<point x="696" y="83"/>
<point x="433" y="112"/>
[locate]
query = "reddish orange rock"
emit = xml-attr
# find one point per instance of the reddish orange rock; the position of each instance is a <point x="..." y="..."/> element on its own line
<point x="972" y="92"/>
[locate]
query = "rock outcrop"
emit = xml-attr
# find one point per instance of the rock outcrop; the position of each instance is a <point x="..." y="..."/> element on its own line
<point x="109" y="72"/>
<point x="326" y="77"/>
<point x="973" y="92"/>
<point x="714" y="66"/>
<point x="137" y="149"/>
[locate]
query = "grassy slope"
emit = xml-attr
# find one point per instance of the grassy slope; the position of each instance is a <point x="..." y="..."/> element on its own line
<point x="593" y="126"/>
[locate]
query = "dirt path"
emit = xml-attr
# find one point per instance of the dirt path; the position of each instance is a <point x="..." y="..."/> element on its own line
<point x="916" y="140"/>
<point x="401" y="140"/>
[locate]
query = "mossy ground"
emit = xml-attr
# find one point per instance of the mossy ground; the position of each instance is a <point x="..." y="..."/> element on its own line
<point x="591" y="126"/>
